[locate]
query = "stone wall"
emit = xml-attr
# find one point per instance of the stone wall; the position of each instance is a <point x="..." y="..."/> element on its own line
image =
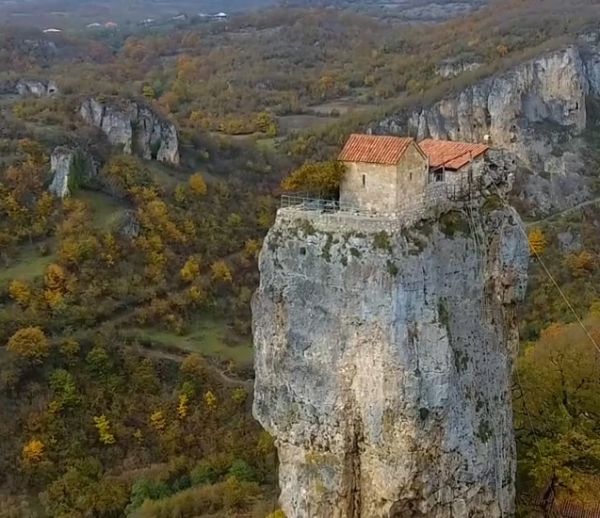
<point x="413" y="172"/>
<point x="383" y="188"/>
<point x="369" y="186"/>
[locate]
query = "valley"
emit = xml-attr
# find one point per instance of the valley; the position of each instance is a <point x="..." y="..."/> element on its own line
<point x="141" y="169"/>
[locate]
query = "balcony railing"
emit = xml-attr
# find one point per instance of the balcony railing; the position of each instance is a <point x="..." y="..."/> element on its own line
<point x="307" y="203"/>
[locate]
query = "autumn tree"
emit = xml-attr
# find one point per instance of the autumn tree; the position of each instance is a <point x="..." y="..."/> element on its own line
<point x="581" y="264"/>
<point x="221" y="272"/>
<point x="158" y="421"/>
<point x="537" y="241"/>
<point x="20" y="292"/>
<point x="33" y="451"/>
<point x="197" y="184"/>
<point x="319" y="179"/>
<point x="148" y="92"/>
<point x="190" y="270"/>
<point x="555" y="401"/>
<point x="105" y="435"/>
<point x="29" y="343"/>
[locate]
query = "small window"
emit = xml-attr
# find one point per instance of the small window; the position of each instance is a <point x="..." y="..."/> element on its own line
<point x="439" y="176"/>
<point x="364" y="180"/>
<point x="410" y="176"/>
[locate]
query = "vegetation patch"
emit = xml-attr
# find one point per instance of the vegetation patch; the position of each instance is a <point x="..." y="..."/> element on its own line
<point x="382" y="241"/>
<point x="454" y="222"/>
<point x="326" y="253"/>
<point x="492" y="203"/>
<point x="307" y="227"/>
<point x="484" y="431"/>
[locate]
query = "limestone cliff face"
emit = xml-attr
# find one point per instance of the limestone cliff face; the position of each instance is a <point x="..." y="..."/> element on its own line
<point x="135" y="127"/>
<point x="25" y="87"/>
<point x="537" y="110"/>
<point x="383" y="362"/>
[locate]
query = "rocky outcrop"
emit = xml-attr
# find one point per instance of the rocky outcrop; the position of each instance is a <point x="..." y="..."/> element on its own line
<point x="135" y="127"/>
<point x="25" y="87"/>
<point x="383" y="362"/>
<point x="537" y="110"/>
<point x="455" y="67"/>
<point x="70" y="168"/>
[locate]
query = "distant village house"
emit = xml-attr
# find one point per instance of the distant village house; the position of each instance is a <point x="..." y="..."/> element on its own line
<point x="385" y="173"/>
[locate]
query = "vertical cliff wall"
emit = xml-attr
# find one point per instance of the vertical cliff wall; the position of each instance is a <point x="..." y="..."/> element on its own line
<point x="537" y="110"/>
<point x="383" y="362"/>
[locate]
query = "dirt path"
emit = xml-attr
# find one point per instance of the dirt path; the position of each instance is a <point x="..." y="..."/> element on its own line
<point x="563" y="212"/>
<point x="179" y="357"/>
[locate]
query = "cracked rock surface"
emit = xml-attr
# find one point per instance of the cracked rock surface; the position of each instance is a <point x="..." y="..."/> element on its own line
<point x="383" y="363"/>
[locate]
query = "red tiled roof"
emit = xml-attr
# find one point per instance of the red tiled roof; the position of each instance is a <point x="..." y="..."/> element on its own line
<point x="374" y="149"/>
<point x="451" y="155"/>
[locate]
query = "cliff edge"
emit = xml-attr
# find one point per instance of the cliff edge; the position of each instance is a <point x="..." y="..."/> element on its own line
<point x="384" y="354"/>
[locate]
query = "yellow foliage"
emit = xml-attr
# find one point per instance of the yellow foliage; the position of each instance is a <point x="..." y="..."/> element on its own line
<point x="29" y="343"/>
<point x="277" y="514"/>
<point x="109" y="250"/>
<point x="193" y="365"/>
<point x="319" y="179"/>
<point x="221" y="272"/>
<point x="582" y="263"/>
<point x="70" y="347"/>
<point x="252" y="248"/>
<point x="210" y="400"/>
<point x="190" y="270"/>
<point x="197" y="184"/>
<point x="148" y="92"/>
<point x="19" y="291"/>
<point x="138" y="435"/>
<point x="55" y="277"/>
<point x="54" y="299"/>
<point x="239" y="395"/>
<point x="33" y="451"/>
<point x="502" y="50"/>
<point x="537" y="241"/>
<point x="158" y="421"/>
<point x="179" y="193"/>
<point x="103" y="426"/>
<point x="183" y="406"/>
<point x="196" y="294"/>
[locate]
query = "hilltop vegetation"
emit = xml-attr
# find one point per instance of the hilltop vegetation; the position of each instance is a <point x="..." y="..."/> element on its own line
<point x="125" y="354"/>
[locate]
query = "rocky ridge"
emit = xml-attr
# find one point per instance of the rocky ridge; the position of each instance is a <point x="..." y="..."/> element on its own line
<point x="384" y="354"/>
<point x="537" y="110"/>
<point x="135" y="127"/>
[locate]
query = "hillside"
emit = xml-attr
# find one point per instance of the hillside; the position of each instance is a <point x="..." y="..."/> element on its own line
<point x="126" y="356"/>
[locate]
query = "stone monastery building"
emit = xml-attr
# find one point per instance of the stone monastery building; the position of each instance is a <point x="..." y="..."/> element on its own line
<point x="386" y="173"/>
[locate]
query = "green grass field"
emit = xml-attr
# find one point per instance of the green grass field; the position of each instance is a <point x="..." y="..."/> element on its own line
<point x="207" y="337"/>
<point x="106" y="211"/>
<point x="29" y="265"/>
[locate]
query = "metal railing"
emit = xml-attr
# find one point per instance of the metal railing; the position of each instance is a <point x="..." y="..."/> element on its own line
<point x="433" y="194"/>
<point x="324" y="206"/>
